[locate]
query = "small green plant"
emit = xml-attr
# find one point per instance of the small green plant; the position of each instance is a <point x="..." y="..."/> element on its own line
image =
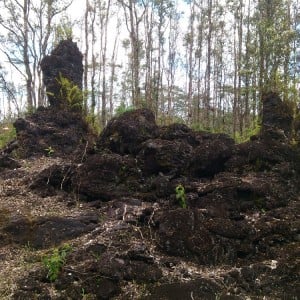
<point x="49" y="151"/>
<point x="248" y="132"/>
<point x="94" y="122"/>
<point x="180" y="195"/>
<point x="70" y="93"/>
<point x="56" y="261"/>
<point x="122" y="108"/>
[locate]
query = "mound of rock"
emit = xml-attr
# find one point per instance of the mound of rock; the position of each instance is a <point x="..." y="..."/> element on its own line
<point x="125" y="134"/>
<point x="276" y="115"/>
<point x="235" y="237"/>
<point x="64" y="61"/>
<point x="59" y="129"/>
<point x="52" y="132"/>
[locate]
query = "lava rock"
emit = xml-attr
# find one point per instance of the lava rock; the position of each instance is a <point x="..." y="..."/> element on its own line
<point x="126" y="133"/>
<point x="164" y="156"/>
<point x="210" y="156"/>
<point x="106" y="176"/>
<point x="44" y="232"/>
<point x="276" y="114"/>
<point x="65" y="60"/>
<point x="53" y="132"/>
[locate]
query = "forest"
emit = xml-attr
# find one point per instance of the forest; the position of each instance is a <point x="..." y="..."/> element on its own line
<point x="205" y="63"/>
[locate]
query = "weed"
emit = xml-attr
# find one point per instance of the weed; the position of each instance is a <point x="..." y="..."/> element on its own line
<point x="56" y="261"/>
<point x="180" y="196"/>
<point x="49" y="151"/>
<point x="97" y="256"/>
<point x="85" y="296"/>
<point x="94" y="122"/>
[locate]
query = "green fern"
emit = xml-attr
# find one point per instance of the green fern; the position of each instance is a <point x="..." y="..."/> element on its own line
<point x="180" y="196"/>
<point x="70" y="93"/>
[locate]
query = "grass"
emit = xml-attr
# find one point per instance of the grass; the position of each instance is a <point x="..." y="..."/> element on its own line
<point x="7" y="133"/>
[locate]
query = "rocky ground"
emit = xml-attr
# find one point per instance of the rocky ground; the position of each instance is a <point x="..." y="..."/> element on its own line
<point x="107" y="210"/>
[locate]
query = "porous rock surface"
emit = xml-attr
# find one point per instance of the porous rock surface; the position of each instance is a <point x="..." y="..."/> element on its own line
<point x="65" y="60"/>
<point x="54" y="132"/>
<point x="238" y="238"/>
<point x="60" y="129"/>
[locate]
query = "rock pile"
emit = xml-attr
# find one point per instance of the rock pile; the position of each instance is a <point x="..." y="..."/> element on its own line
<point x="238" y="238"/>
<point x="58" y="129"/>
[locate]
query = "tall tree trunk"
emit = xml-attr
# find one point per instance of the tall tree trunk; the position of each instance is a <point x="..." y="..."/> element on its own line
<point x="26" y="9"/>
<point x="112" y="75"/>
<point x="208" y="64"/>
<point x="86" y="54"/>
<point x="190" y="43"/>
<point x="240" y="49"/>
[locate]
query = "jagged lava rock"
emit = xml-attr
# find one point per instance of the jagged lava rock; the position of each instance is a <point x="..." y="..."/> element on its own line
<point x="211" y="155"/>
<point x="179" y="132"/>
<point x="59" y="128"/>
<point x="276" y="115"/>
<point x="63" y="131"/>
<point x="65" y="60"/>
<point x="44" y="232"/>
<point x="164" y="156"/>
<point x="126" y="133"/>
<point x="105" y="176"/>
<point x="238" y="237"/>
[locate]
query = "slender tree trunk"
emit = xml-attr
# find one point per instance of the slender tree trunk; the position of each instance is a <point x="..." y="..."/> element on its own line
<point x="149" y="23"/>
<point x="94" y="67"/>
<point x="86" y="54"/>
<point x="199" y="59"/>
<point x="112" y="76"/>
<point x="190" y="64"/>
<point x="208" y="64"/>
<point x="26" y="9"/>
<point x="247" y="67"/>
<point x="287" y="60"/>
<point x="240" y="49"/>
<point x="235" y="78"/>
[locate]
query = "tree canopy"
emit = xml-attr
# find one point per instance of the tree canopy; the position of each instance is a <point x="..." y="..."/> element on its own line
<point x="202" y="62"/>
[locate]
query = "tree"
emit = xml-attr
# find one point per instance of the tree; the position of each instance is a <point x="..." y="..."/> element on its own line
<point x="275" y="37"/>
<point x="27" y="27"/>
<point x="133" y="17"/>
<point x="8" y="89"/>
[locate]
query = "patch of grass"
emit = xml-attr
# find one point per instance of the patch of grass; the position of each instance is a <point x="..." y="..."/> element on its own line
<point x="7" y="134"/>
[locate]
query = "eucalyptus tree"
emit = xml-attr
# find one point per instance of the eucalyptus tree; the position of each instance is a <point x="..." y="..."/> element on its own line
<point x="133" y="15"/>
<point x="275" y="36"/>
<point x="15" y="44"/>
<point x="26" y="29"/>
<point x="237" y="10"/>
<point x="172" y="60"/>
<point x="104" y="16"/>
<point x="189" y="41"/>
<point x="8" y="92"/>
<point x="159" y="43"/>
